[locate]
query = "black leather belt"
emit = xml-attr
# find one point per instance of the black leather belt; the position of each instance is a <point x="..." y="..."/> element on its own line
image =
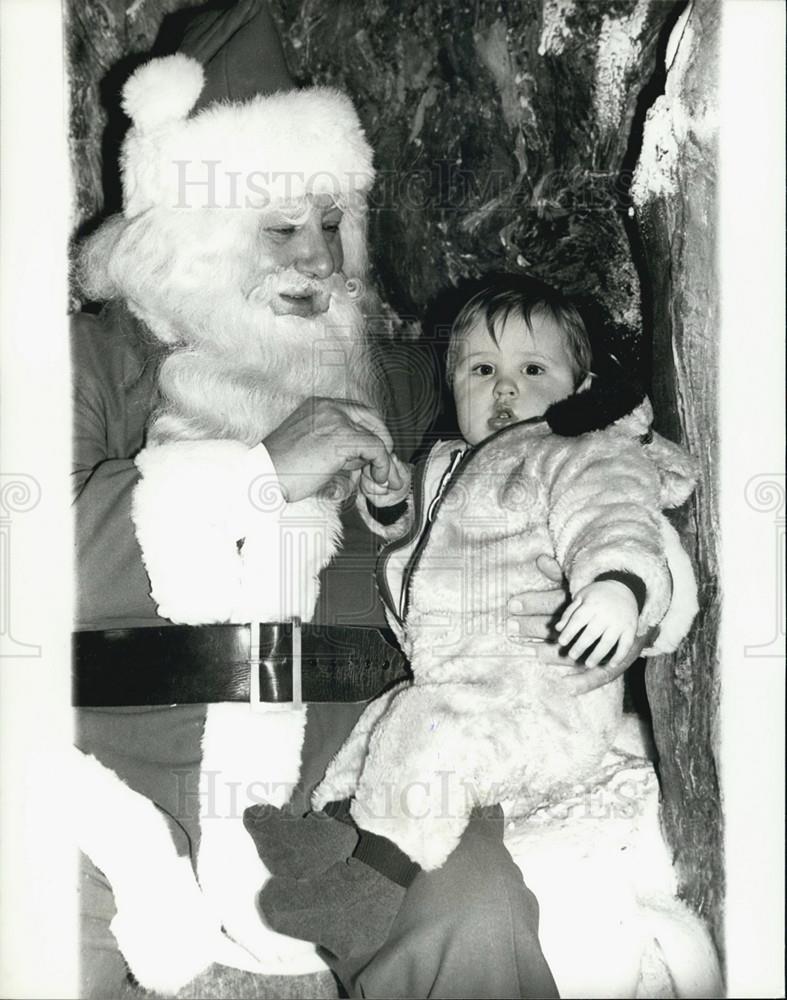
<point x="268" y="663"/>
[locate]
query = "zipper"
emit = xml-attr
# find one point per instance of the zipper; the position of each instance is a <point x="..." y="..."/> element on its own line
<point x="381" y="575"/>
<point x="424" y="525"/>
<point x="457" y="457"/>
<point x="394" y="604"/>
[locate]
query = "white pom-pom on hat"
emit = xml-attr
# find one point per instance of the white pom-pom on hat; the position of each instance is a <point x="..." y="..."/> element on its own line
<point x="163" y="90"/>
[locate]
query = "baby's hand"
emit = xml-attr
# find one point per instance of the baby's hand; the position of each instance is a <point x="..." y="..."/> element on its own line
<point x="393" y="490"/>
<point x="605" y="611"/>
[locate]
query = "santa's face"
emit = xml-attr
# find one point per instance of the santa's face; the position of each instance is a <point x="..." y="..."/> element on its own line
<point x="301" y="249"/>
<point x="258" y="310"/>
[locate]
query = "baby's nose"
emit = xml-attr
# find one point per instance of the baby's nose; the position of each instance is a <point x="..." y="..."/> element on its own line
<point x="505" y="387"/>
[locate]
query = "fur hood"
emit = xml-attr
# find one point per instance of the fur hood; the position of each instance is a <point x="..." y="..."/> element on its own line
<point x="613" y="401"/>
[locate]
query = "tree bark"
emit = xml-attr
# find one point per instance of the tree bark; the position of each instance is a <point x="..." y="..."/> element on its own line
<point x="675" y="191"/>
<point x="105" y="39"/>
<point x="501" y="134"/>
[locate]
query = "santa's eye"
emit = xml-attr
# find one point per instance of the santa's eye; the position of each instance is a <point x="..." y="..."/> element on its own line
<point x="330" y="227"/>
<point x="284" y="230"/>
<point x="533" y="370"/>
<point x="483" y="368"/>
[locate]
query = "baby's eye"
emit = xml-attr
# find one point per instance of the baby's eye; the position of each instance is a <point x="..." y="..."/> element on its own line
<point x="483" y="368"/>
<point x="534" y="370"/>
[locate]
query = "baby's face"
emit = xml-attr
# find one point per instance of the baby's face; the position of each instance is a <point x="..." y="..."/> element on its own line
<point x="520" y="376"/>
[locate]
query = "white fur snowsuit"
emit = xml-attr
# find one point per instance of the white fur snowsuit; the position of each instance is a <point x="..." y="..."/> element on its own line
<point x="484" y="719"/>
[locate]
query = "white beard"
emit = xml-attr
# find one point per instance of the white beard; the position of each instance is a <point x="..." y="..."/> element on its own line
<point x="205" y="484"/>
<point x="242" y="371"/>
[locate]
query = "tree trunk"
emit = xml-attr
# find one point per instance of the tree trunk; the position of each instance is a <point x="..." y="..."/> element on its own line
<point x="675" y="189"/>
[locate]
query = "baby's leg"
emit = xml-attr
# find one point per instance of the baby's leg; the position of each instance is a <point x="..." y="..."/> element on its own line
<point x="417" y="784"/>
<point x="344" y="771"/>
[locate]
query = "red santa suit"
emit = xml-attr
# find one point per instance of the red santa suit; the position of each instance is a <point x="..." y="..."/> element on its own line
<point x="189" y="527"/>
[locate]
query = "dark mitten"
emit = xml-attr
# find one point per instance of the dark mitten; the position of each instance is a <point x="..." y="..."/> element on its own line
<point x="348" y="909"/>
<point x="300" y="846"/>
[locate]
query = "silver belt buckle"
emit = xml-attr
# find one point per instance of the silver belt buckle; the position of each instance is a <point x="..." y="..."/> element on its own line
<point x="255" y="703"/>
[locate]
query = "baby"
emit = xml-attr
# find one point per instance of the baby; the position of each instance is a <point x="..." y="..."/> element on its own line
<point x="553" y="459"/>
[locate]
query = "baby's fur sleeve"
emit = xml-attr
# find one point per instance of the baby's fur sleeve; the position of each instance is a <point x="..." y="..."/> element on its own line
<point x="604" y="515"/>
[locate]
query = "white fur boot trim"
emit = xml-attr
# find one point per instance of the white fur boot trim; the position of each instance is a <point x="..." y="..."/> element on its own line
<point x="248" y="757"/>
<point x="163" y="926"/>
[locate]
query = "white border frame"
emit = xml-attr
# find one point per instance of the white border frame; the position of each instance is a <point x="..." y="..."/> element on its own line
<point x="38" y="941"/>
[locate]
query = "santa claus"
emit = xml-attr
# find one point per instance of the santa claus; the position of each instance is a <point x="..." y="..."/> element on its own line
<point x="225" y="404"/>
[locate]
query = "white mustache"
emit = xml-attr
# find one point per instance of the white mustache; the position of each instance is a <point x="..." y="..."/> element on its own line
<point x="295" y="284"/>
<point x="285" y="283"/>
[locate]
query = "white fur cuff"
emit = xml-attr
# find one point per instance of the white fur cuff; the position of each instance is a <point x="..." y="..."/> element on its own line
<point x="195" y="502"/>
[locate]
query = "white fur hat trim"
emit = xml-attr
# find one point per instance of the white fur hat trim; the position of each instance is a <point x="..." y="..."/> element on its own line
<point x="164" y="90"/>
<point x="275" y="147"/>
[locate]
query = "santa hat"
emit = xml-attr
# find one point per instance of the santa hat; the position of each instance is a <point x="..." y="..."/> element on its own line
<point x="215" y="126"/>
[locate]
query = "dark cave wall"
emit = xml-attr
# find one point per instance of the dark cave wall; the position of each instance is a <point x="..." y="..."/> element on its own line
<point x="505" y="136"/>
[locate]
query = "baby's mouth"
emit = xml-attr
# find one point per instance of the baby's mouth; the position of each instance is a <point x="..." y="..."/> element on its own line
<point x="502" y="417"/>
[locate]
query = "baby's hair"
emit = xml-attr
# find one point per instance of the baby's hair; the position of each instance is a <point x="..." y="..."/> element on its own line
<point x="502" y="294"/>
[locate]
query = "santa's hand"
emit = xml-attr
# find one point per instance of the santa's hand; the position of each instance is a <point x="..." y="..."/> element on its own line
<point x="392" y="490"/>
<point x="532" y="615"/>
<point x="603" y="613"/>
<point x="325" y="436"/>
<point x="579" y="682"/>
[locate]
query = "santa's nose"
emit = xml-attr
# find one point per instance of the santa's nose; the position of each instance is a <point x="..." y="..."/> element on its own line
<point x="312" y="254"/>
<point x="505" y="388"/>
